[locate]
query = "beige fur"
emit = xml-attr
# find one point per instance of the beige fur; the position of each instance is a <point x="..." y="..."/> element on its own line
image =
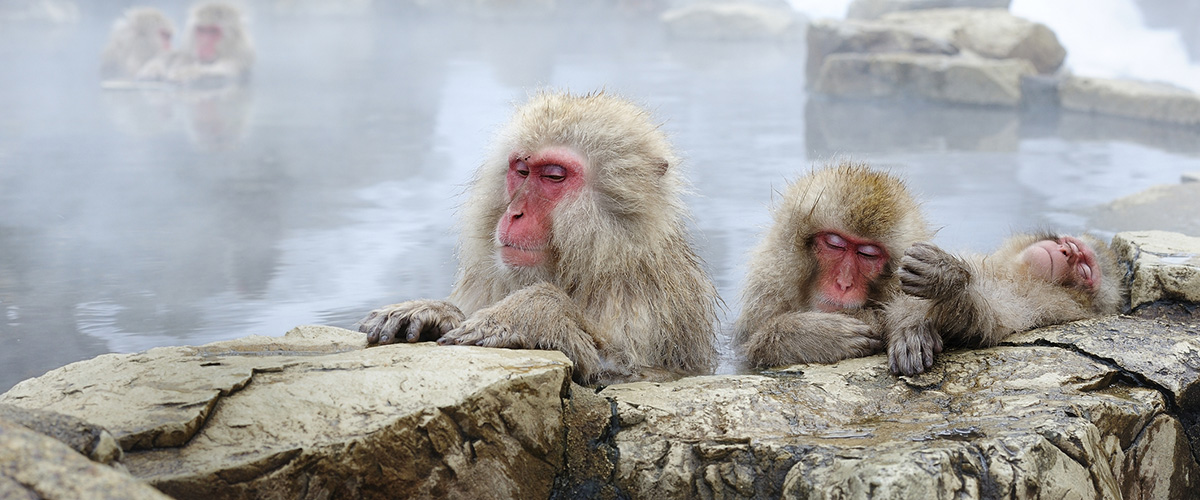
<point x="135" y="40"/>
<point x="777" y="324"/>
<point x="235" y="52"/>
<point x="625" y="296"/>
<point x="977" y="300"/>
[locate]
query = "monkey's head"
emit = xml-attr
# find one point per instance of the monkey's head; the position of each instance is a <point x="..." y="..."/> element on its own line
<point x="149" y="27"/>
<point x="214" y="31"/>
<point x="855" y="222"/>
<point x="585" y="179"/>
<point x="1083" y="265"/>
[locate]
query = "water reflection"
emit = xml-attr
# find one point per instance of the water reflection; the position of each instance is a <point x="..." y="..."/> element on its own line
<point x="328" y="186"/>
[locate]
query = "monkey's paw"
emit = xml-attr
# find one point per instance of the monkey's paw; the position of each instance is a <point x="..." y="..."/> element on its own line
<point x="929" y="272"/>
<point x="911" y="351"/>
<point x="417" y="320"/>
<point x="484" y="330"/>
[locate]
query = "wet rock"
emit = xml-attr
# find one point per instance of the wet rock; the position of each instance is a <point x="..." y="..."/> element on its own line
<point x="1013" y="421"/>
<point x="826" y="37"/>
<point x="84" y="437"/>
<point x="1171" y="207"/>
<point x="1164" y="265"/>
<point x="873" y="9"/>
<point x="1130" y="99"/>
<point x="35" y="466"/>
<point x="960" y="80"/>
<point x="312" y="415"/>
<point x="734" y="20"/>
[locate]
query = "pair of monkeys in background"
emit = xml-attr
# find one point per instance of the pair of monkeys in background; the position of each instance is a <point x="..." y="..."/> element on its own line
<point x="574" y="240"/>
<point x="216" y="49"/>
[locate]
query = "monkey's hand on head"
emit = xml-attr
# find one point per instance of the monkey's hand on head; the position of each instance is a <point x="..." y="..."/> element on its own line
<point x="539" y="316"/>
<point x="929" y="272"/>
<point x="412" y="321"/>
<point x="810" y="337"/>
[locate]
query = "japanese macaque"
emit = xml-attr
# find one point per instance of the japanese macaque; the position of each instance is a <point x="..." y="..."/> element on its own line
<point x="139" y="36"/>
<point x="217" y="50"/>
<point x="976" y="300"/>
<point x="574" y="240"/>
<point x="817" y="282"/>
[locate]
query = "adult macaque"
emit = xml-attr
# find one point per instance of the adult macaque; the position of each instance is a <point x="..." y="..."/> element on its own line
<point x="573" y="240"/>
<point x="139" y="36"/>
<point x="976" y="300"/>
<point x="217" y="50"/>
<point x="818" y="280"/>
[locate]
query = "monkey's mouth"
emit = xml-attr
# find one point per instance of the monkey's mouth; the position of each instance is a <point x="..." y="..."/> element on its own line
<point x="1084" y="262"/>
<point x="521" y="255"/>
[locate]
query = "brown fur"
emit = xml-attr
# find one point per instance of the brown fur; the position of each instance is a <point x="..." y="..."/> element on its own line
<point x="134" y="41"/>
<point x="624" y="295"/>
<point x="977" y="300"/>
<point x="235" y="52"/>
<point x="777" y="325"/>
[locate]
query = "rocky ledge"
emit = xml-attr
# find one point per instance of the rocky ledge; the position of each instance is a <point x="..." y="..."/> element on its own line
<point x="1106" y="408"/>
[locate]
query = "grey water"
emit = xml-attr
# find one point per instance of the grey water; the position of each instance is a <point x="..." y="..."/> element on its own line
<point x="328" y="185"/>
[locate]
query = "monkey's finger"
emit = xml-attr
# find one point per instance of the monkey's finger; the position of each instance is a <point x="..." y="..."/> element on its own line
<point x="414" y="330"/>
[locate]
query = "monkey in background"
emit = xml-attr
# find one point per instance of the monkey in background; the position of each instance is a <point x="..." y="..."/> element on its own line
<point x="138" y="37"/>
<point x="217" y="50"/>
<point x="1033" y="280"/>
<point x="574" y="240"/>
<point x="817" y="282"/>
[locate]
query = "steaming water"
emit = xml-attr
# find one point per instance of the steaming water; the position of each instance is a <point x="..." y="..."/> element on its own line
<point x="130" y="220"/>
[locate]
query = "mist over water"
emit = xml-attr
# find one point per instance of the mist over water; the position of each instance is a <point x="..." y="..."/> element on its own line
<point x="328" y="186"/>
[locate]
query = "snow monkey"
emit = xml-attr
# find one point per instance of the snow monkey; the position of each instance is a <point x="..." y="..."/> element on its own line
<point x="976" y="300"/>
<point x="217" y="50"/>
<point x="573" y="239"/>
<point x="817" y="281"/>
<point x="137" y="37"/>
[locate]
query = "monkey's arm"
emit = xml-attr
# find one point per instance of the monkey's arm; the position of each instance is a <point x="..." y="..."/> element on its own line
<point x="414" y="321"/>
<point x="539" y="316"/>
<point x="810" y="337"/>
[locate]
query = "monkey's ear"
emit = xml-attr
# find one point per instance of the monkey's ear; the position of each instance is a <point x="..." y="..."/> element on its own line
<point x="662" y="167"/>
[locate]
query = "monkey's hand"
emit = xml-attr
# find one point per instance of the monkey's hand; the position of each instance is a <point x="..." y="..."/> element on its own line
<point x="811" y="337"/>
<point x="540" y="316"/>
<point x="911" y="348"/>
<point x="415" y="320"/>
<point x="929" y="272"/>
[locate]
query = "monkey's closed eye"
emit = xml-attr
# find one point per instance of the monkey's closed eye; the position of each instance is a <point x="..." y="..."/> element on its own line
<point x="554" y="173"/>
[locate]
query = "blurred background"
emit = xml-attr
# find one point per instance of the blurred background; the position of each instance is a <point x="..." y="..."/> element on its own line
<point x="327" y="186"/>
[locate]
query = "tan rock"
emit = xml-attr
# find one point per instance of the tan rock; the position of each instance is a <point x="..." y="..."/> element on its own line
<point x="36" y="466"/>
<point x="733" y="20"/>
<point x="1130" y="99"/>
<point x="292" y="417"/>
<point x="1165" y="266"/>
<point x="1169" y="207"/>
<point x="960" y="80"/>
<point x="84" y="437"/>
<point x="873" y="9"/>
<point x="991" y="33"/>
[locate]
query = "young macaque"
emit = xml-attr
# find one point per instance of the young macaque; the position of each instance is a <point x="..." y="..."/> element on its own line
<point x="139" y="36"/>
<point x="217" y="50"/>
<point x="818" y="280"/>
<point x="574" y="240"/>
<point x="976" y="300"/>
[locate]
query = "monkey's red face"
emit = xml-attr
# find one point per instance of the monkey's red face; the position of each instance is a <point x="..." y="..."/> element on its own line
<point x="536" y="183"/>
<point x="164" y="38"/>
<point x="207" y="38"/>
<point x="848" y="265"/>
<point x="1066" y="261"/>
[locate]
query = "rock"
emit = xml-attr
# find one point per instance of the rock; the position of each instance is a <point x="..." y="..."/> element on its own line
<point x="992" y="33"/>
<point x="960" y="80"/>
<point x="733" y="20"/>
<point x="873" y="9"/>
<point x="1170" y="207"/>
<point x="826" y="37"/>
<point x="35" y="466"/>
<point x="92" y="441"/>
<point x="1020" y="421"/>
<point x="1189" y="178"/>
<point x="313" y="415"/>
<point x="1165" y="266"/>
<point x="1130" y="99"/>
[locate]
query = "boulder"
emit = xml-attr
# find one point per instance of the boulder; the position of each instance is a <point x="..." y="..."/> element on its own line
<point x="959" y="80"/>
<point x="1167" y="207"/>
<point x="313" y="415"/>
<point x="1164" y="266"/>
<point x="84" y="437"/>
<point x="1130" y="99"/>
<point x="1034" y="418"/>
<point x="873" y="9"/>
<point x="734" y="20"/>
<point x="826" y="37"/>
<point x="36" y="466"/>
